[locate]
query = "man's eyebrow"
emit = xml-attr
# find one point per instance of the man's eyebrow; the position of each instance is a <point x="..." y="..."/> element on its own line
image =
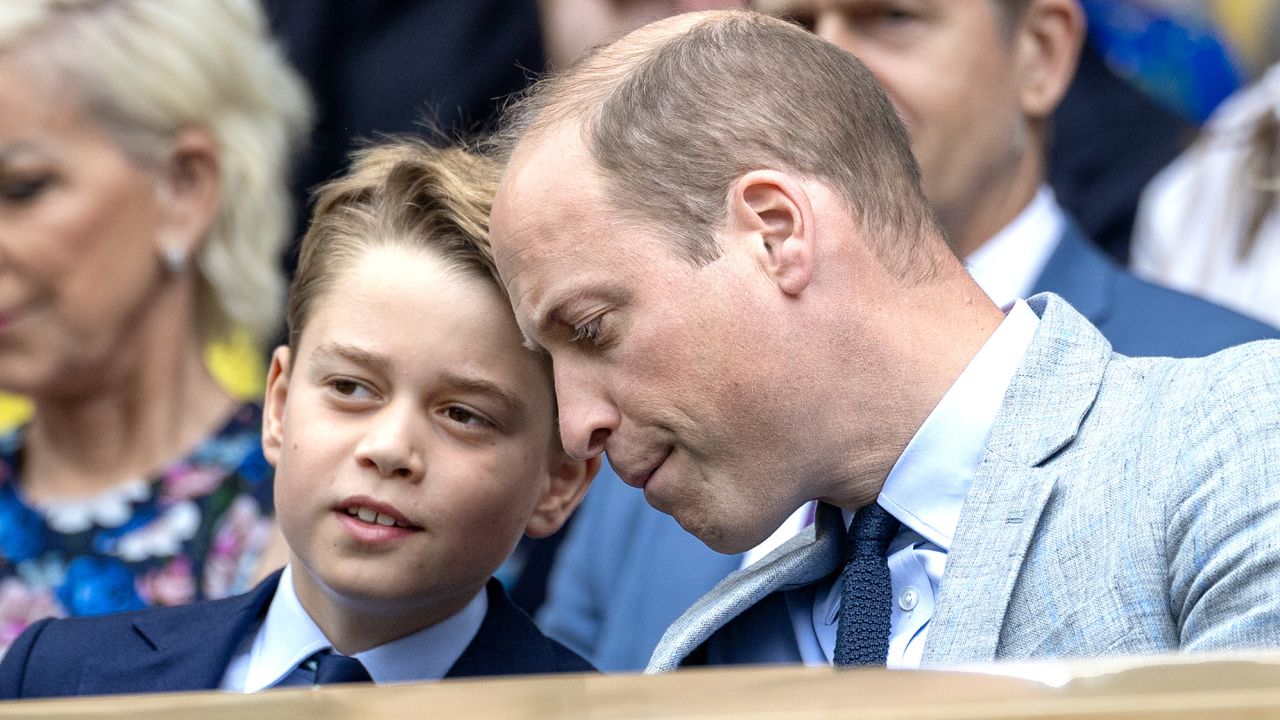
<point x="503" y="395"/>
<point x="350" y="353"/>
<point x="552" y="315"/>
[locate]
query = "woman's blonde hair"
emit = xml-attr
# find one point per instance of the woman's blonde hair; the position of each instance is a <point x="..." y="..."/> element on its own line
<point x="403" y="192"/>
<point x="144" y="70"/>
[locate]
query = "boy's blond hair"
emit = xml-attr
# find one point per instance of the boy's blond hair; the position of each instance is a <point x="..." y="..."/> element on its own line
<point x="402" y="192"/>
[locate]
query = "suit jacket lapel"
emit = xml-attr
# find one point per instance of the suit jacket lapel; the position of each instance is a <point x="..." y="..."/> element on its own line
<point x="508" y="643"/>
<point x="1051" y="394"/>
<point x="1081" y="274"/>
<point x="806" y="558"/>
<point x="186" y="648"/>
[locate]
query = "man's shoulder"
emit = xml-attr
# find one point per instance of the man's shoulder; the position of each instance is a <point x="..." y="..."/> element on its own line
<point x="1154" y="320"/>
<point x="1140" y="318"/>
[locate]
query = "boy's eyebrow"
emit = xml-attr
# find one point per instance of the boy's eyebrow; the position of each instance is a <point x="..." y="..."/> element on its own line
<point x="351" y="353"/>
<point x="508" y="398"/>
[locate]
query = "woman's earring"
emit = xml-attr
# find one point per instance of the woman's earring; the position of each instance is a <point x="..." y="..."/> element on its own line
<point x="175" y="259"/>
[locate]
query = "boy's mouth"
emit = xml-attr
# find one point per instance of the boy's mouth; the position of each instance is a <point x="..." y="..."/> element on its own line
<point x="373" y="512"/>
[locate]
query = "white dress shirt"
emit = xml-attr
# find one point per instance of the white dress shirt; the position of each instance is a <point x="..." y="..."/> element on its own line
<point x="1008" y="265"/>
<point x="925" y="491"/>
<point x="288" y="636"/>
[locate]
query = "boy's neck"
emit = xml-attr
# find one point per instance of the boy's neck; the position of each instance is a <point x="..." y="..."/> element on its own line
<point x="354" y="625"/>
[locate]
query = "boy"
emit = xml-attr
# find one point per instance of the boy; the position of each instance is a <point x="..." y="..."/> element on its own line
<point x="414" y="441"/>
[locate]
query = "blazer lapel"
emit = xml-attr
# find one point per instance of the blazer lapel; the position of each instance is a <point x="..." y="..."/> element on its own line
<point x="181" y="648"/>
<point x="1051" y="394"/>
<point x="508" y="643"/>
<point x="1081" y="274"/>
<point x="806" y="558"/>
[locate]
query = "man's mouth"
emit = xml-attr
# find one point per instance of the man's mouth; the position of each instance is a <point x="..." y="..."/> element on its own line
<point x="640" y="479"/>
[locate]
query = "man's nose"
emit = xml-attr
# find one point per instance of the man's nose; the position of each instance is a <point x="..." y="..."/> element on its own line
<point x="393" y="444"/>
<point x="587" y="416"/>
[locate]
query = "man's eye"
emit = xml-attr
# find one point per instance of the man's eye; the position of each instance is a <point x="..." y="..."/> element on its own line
<point x="463" y="416"/>
<point x="587" y="332"/>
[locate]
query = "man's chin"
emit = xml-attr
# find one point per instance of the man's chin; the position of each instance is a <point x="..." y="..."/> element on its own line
<point x="723" y="539"/>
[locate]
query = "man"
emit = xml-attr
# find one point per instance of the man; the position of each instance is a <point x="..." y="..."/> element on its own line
<point x="716" y="229"/>
<point x="976" y="82"/>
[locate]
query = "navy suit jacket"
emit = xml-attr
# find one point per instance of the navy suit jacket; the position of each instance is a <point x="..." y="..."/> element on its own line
<point x="627" y="571"/>
<point x="172" y="649"/>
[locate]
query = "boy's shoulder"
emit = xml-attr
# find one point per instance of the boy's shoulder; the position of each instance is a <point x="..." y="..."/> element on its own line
<point x="509" y="643"/>
<point x="157" y="649"/>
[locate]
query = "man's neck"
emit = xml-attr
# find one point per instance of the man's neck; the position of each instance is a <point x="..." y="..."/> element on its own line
<point x="980" y="217"/>
<point x="924" y="339"/>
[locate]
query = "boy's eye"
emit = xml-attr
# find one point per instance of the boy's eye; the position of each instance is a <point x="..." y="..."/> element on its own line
<point x="463" y="416"/>
<point x="349" y="388"/>
<point x="22" y="190"/>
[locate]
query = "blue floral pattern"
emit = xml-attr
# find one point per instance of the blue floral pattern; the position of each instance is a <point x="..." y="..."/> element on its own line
<point x="193" y="532"/>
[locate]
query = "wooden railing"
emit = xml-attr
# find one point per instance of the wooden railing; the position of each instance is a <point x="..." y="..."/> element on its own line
<point x="1222" y="687"/>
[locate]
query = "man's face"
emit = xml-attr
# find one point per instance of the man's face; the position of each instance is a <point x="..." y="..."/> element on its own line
<point x="671" y="368"/>
<point x="949" y="68"/>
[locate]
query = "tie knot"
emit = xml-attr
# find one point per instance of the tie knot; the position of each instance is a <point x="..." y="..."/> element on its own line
<point x="872" y="529"/>
<point x="332" y="668"/>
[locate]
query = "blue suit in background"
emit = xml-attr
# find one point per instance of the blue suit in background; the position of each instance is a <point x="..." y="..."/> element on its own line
<point x="627" y="571"/>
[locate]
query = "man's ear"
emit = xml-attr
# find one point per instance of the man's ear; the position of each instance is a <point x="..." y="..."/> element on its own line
<point x="190" y="188"/>
<point x="273" y="404"/>
<point x="770" y="213"/>
<point x="568" y="483"/>
<point x="1048" y="39"/>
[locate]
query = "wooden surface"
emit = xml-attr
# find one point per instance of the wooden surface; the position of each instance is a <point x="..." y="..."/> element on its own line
<point x="1222" y="687"/>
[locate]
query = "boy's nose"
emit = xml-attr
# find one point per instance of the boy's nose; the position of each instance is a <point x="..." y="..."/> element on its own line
<point x="393" y="446"/>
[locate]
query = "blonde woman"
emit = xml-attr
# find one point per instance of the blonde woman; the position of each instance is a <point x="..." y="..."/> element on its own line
<point x="143" y="207"/>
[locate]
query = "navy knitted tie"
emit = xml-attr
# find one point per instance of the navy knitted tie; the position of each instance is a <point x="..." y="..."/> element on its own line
<point x="326" y="668"/>
<point x="862" y="638"/>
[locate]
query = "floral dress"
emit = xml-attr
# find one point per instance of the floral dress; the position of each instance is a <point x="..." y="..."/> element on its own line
<point x="193" y="532"/>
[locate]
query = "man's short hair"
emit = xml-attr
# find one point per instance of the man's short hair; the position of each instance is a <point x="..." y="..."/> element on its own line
<point x="673" y="119"/>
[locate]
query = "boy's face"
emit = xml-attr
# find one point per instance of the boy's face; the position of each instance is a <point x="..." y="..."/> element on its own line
<point x="413" y="438"/>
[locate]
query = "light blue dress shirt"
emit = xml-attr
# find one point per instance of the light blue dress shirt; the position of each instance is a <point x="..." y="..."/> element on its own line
<point x="925" y="491"/>
<point x="288" y="635"/>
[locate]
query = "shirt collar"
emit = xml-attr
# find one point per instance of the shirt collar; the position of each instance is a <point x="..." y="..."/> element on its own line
<point x="1008" y="265"/>
<point x="288" y="636"/>
<point x="926" y="488"/>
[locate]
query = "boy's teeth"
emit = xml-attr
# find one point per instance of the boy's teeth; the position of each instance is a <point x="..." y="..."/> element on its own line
<point x="372" y="516"/>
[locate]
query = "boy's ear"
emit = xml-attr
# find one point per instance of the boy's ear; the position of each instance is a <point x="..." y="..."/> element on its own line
<point x="568" y="483"/>
<point x="273" y="404"/>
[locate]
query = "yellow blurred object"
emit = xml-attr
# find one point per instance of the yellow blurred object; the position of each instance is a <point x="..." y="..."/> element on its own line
<point x="1250" y="26"/>
<point x="237" y="363"/>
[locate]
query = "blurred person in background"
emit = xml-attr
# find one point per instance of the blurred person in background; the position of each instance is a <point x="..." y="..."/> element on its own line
<point x="976" y="83"/>
<point x="386" y="67"/>
<point x="1209" y="224"/>
<point x="143" y="209"/>
<point x="571" y="27"/>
